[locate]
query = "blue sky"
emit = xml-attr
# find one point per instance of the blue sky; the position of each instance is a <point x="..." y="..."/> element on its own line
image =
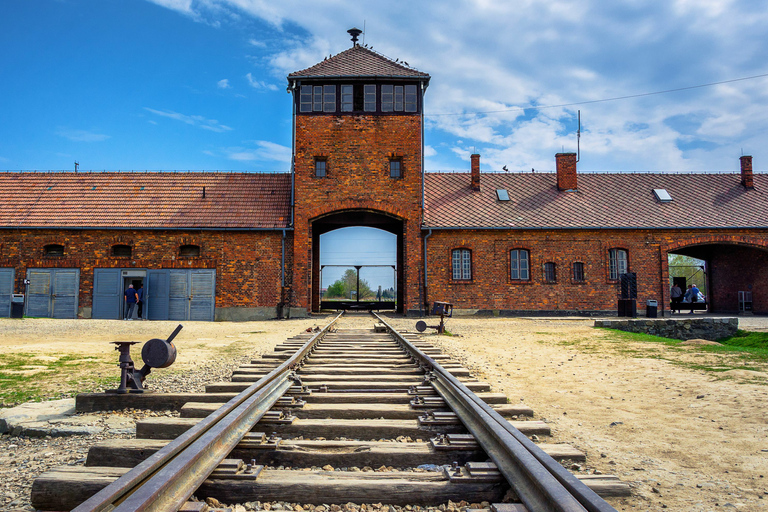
<point x="200" y="84"/>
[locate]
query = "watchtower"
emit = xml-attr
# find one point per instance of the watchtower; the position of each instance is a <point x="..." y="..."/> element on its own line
<point x="357" y="161"/>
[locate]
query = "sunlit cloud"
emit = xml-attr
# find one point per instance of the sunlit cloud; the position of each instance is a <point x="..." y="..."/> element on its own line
<point x="260" y="85"/>
<point x="223" y="84"/>
<point x="81" y="135"/>
<point x="194" y="120"/>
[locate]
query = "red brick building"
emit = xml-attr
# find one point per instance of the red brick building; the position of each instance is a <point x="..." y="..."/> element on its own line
<point x="234" y="246"/>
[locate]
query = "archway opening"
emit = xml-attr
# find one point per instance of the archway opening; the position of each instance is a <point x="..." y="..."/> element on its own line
<point x="735" y="275"/>
<point x="357" y="261"/>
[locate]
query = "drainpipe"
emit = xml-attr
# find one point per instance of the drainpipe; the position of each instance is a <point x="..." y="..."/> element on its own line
<point x="282" y="264"/>
<point x="422" y="153"/>
<point x="293" y="150"/>
<point x="426" y="299"/>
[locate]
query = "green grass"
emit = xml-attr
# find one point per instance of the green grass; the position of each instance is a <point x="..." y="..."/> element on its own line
<point x="50" y="377"/>
<point x="743" y="351"/>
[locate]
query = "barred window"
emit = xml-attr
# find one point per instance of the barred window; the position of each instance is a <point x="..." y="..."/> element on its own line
<point x="550" y="274"/>
<point x="518" y="265"/>
<point x="578" y="272"/>
<point x="462" y="264"/>
<point x="617" y="263"/>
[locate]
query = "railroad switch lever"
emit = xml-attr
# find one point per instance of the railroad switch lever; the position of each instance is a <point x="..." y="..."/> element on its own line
<point x="156" y="353"/>
<point x="444" y="309"/>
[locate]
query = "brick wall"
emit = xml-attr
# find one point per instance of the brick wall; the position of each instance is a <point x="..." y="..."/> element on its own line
<point x="357" y="150"/>
<point x="492" y="289"/>
<point x="247" y="263"/>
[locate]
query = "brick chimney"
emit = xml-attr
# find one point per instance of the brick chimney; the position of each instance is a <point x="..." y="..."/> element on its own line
<point x="746" y="172"/>
<point x="475" y="182"/>
<point x="566" y="171"/>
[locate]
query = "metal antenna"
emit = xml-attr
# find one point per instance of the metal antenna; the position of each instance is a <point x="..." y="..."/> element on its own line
<point x="77" y="164"/>
<point x="578" y="138"/>
<point x="363" y="32"/>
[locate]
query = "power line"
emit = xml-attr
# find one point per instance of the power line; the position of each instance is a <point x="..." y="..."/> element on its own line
<point x="518" y="109"/>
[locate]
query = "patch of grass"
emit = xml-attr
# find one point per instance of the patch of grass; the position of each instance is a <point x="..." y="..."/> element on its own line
<point x="28" y="377"/>
<point x="747" y="339"/>
<point x="617" y="335"/>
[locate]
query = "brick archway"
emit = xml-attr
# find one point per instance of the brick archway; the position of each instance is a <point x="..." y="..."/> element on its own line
<point x="735" y="263"/>
<point x="357" y="217"/>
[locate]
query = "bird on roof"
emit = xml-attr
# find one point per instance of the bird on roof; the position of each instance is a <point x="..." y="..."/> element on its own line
<point x="505" y="169"/>
<point x="406" y="63"/>
<point x="532" y="169"/>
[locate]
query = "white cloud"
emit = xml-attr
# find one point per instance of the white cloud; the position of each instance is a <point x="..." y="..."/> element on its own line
<point x="264" y="151"/>
<point x="194" y="120"/>
<point x="488" y="56"/>
<point x="260" y="85"/>
<point x="81" y="135"/>
<point x="223" y="84"/>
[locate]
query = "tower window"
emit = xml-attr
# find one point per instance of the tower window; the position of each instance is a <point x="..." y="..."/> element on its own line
<point x="369" y="98"/>
<point x="387" y="98"/>
<point x="320" y="167"/>
<point x="305" y="98"/>
<point x="329" y="98"/>
<point x="395" y="168"/>
<point x="347" y="98"/>
<point x="411" y="99"/>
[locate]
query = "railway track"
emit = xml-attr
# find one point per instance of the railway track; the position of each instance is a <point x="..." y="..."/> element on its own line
<point x="336" y="416"/>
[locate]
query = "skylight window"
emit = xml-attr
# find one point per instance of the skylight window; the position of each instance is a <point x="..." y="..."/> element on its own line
<point x="662" y="195"/>
<point x="502" y="194"/>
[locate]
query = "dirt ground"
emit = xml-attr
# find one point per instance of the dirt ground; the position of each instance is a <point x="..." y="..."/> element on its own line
<point x="684" y="438"/>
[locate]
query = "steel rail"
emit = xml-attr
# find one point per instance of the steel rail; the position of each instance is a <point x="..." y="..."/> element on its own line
<point x="541" y="483"/>
<point x="165" y="480"/>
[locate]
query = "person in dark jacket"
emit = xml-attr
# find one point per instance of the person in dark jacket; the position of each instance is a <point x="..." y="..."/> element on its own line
<point x="130" y="302"/>
<point x="677" y="296"/>
<point x="140" y="301"/>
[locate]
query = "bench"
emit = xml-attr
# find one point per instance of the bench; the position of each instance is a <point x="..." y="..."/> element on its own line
<point x="686" y="306"/>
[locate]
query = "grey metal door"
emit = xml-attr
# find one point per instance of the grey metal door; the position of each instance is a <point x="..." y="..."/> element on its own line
<point x="202" y="296"/>
<point x="7" y="276"/>
<point x="178" y="297"/>
<point x="191" y="294"/>
<point x="66" y="284"/>
<point x="53" y="292"/>
<point x="107" y="302"/>
<point x="157" y="294"/>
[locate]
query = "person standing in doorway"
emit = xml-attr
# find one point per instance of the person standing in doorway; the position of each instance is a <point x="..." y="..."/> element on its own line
<point x="677" y="296"/>
<point x="140" y="300"/>
<point x="130" y="302"/>
<point x="694" y="296"/>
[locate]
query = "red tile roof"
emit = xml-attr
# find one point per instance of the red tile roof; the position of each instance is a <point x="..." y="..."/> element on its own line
<point x="358" y="61"/>
<point x="617" y="200"/>
<point x="144" y="200"/>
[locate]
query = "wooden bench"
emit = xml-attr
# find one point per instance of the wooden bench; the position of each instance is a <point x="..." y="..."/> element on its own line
<point x="686" y="306"/>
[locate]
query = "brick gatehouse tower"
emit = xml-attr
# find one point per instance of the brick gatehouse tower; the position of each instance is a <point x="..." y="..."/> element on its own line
<point x="357" y="161"/>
